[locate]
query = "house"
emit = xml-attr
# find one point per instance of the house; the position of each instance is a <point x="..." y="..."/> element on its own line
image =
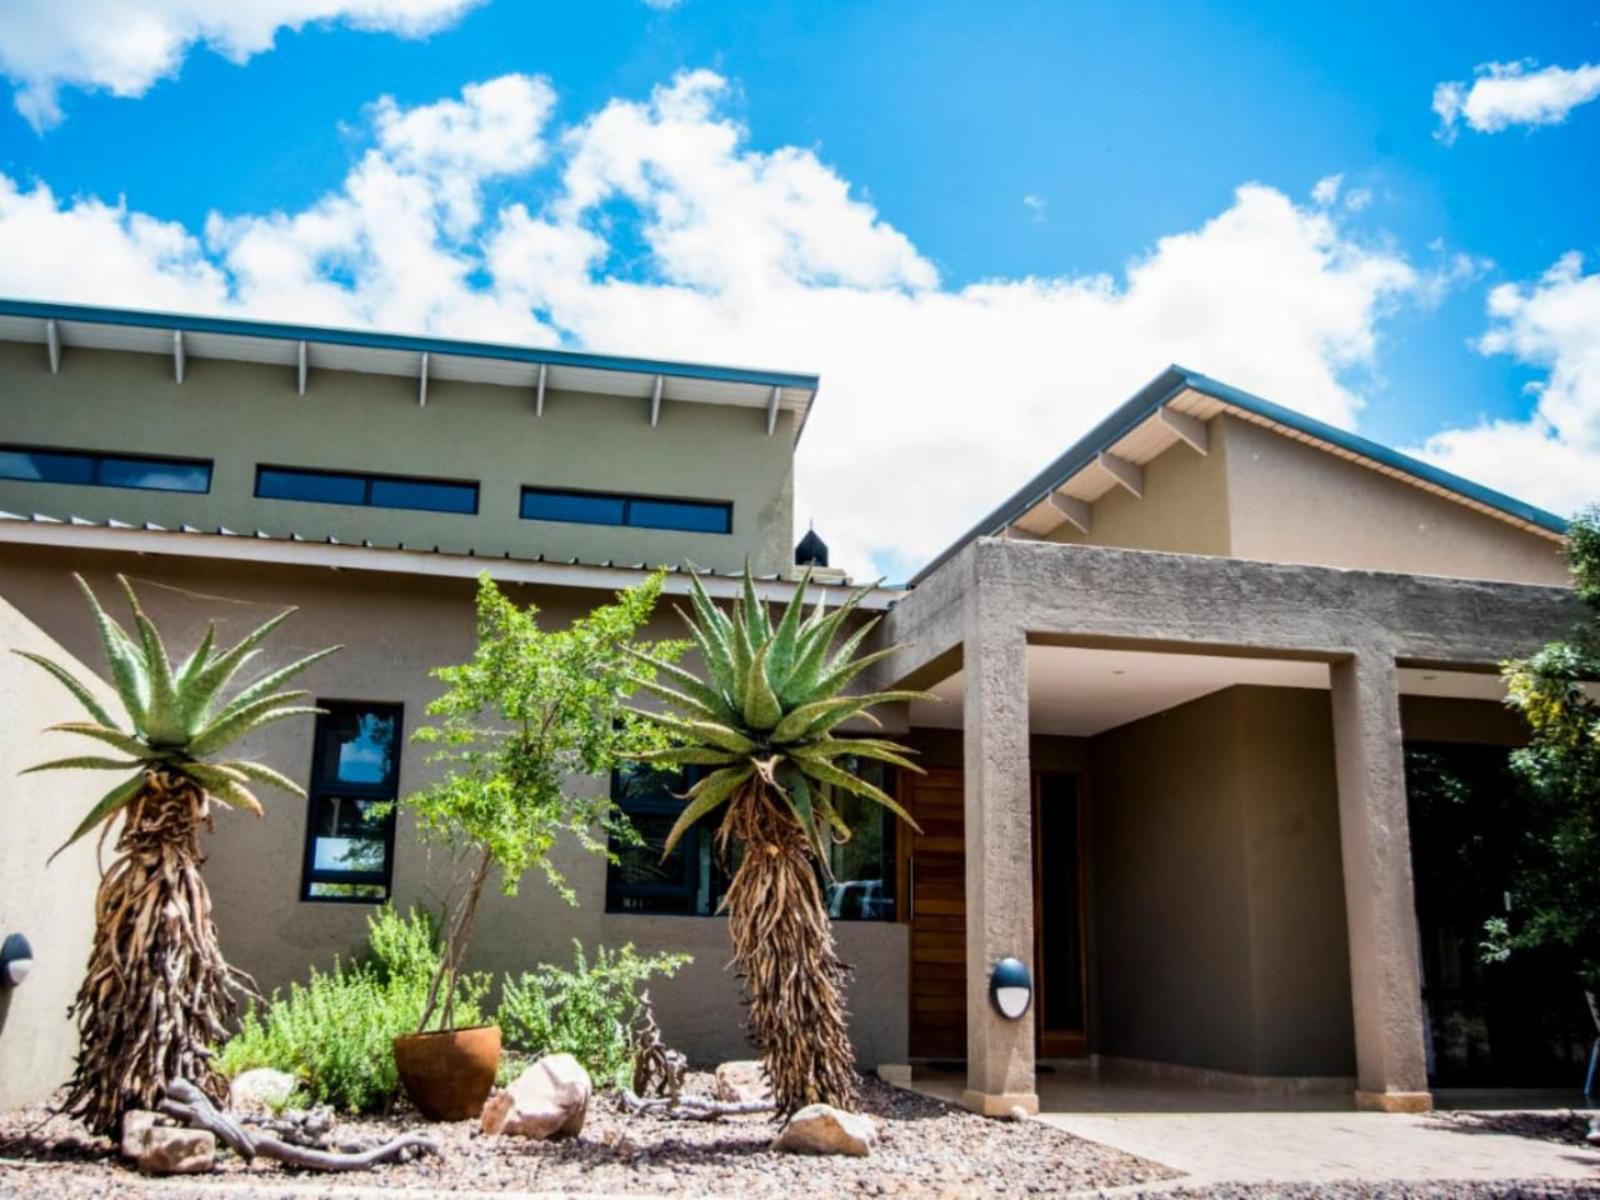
<point x="1184" y="672"/>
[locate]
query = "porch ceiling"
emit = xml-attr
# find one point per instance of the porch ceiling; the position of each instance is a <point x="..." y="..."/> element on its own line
<point x="1078" y="692"/>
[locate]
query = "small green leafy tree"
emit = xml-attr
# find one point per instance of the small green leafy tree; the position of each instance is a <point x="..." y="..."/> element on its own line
<point x="1556" y="874"/>
<point x="585" y="1012"/>
<point x="532" y="711"/>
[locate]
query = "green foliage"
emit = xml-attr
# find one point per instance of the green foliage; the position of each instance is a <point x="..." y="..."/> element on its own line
<point x="766" y="708"/>
<point x="334" y="1033"/>
<point x="1556" y="896"/>
<point x="532" y="709"/>
<point x="584" y="1012"/>
<point x="176" y="719"/>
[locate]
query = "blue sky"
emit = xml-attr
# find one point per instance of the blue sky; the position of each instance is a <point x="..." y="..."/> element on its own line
<point x="1044" y="142"/>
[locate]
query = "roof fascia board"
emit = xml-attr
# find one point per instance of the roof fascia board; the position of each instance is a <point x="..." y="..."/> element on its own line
<point x="275" y="331"/>
<point x="396" y="561"/>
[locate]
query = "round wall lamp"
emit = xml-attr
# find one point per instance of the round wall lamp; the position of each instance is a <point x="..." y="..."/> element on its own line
<point x="16" y="960"/>
<point x="1010" y="988"/>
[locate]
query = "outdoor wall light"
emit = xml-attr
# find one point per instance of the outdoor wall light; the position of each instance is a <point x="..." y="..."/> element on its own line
<point x="16" y="960"/>
<point x="1010" y="988"/>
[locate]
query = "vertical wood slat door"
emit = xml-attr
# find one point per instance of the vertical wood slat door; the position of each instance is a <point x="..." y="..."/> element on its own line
<point x="933" y="871"/>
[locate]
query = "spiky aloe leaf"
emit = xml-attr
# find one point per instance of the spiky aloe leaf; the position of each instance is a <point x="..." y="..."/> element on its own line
<point x="828" y="749"/>
<point x="705" y="796"/>
<point x="709" y="697"/>
<point x="715" y="653"/>
<point x="211" y="679"/>
<point x="724" y="737"/>
<point x="780" y="658"/>
<point x="263" y="712"/>
<point x="127" y="672"/>
<point x="163" y="719"/>
<point x="818" y="642"/>
<point x="685" y="702"/>
<point x="269" y="683"/>
<point x="196" y="662"/>
<point x="226" y="784"/>
<point x="761" y="707"/>
<point x="838" y="678"/>
<point x="814" y="720"/>
<point x="757" y="620"/>
<point x="69" y="681"/>
<point x="126" y="742"/>
<point x="826" y="772"/>
<point x="261" y="773"/>
<point x="689" y="756"/>
<point x="83" y="762"/>
<point x="110" y="804"/>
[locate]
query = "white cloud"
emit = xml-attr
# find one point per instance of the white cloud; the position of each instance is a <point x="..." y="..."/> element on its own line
<point x="1357" y="199"/>
<point x="1036" y="205"/>
<point x="125" y="46"/>
<point x="1514" y="93"/>
<point x="1553" y="458"/>
<point x="653" y="228"/>
<point x="1326" y="190"/>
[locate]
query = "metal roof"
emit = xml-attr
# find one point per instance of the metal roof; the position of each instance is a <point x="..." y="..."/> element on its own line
<point x="1144" y="427"/>
<point x="309" y="348"/>
<point x="297" y="550"/>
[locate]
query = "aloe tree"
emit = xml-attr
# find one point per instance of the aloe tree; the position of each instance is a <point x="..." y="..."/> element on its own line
<point x="763" y="716"/>
<point x="158" y="992"/>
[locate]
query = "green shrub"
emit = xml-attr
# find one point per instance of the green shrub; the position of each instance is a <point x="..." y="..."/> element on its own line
<point x="334" y="1033"/>
<point x="584" y="1012"/>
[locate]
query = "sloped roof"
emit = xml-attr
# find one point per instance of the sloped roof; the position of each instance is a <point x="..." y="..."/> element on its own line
<point x="310" y="348"/>
<point x="1153" y="421"/>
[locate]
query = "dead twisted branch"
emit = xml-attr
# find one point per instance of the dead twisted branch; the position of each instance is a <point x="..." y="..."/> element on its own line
<point x="783" y="948"/>
<point x="193" y="1107"/>
<point x="157" y="991"/>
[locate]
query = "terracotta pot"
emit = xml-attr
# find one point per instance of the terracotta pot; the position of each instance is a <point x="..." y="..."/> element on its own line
<point x="449" y="1075"/>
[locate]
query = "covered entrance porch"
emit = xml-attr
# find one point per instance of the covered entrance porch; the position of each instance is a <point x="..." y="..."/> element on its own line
<point x="1174" y="788"/>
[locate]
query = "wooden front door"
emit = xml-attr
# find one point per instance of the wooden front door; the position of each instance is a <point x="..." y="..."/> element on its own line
<point x="934" y="899"/>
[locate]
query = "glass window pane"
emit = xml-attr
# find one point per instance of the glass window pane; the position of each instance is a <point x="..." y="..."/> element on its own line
<point x="425" y="495"/>
<point x="43" y="466"/>
<point x="321" y="487"/>
<point x="155" y="475"/>
<point x="862" y="888"/>
<point x="358" y="747"/>
<point x="689" y="515"/>
<point x="578" y="507"/>
<point x="348" y="891"/>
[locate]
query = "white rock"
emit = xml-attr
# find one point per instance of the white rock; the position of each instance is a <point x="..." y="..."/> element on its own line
<point x="743" y="1082"/>
<point x="178" y="1151"/>
<point x="550" y="1099"/>
<point x="823" y="1129"/>
<point x="260" y="1093"/>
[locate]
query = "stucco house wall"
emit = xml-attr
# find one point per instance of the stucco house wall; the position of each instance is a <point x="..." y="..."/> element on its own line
<point x="243" y="414"/>
<point x="393" y="630"/>
<point x="51" y="904"/>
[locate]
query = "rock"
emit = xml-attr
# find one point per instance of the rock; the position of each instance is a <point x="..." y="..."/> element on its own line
<point x="178" y="1151"/>
<point x="1018" y="1113"/>
<point x="743" y="1082"/>
<point x="136" y="1126"/>
<point x="550" y="1099"/>
<point x="823" y="1129"/>
<point x="262" y="1092"/>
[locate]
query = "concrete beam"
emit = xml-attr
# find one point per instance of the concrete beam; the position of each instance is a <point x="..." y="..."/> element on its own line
<point x="998" y="810"/>
<point x="1077" y="512"/>
<point x="179" y="357"/>
<point x="1189" y="429"/>
<point x="655" y="401"/>
<point x="52" y="341"/>
<point x="302" y="367"/>
<point x="538" y="398"/>
<point x="422" y="381"/>
<point x="1127" y="474"/>
<point x="1380" y="908"/>
<point x="772" y="409"/>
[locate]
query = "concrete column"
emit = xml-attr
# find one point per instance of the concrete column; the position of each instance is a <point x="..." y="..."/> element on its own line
<point x="999" y="857"/>
<point x="1385" y="982"/>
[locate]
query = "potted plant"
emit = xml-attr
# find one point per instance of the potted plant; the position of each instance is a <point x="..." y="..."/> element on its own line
<point x="532" y="711"/>
<point x="158" y="992"/>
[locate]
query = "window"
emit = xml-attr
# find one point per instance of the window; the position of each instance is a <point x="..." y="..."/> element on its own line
<point x="642" y="512"/>
<point x="372" y="491"/>
<point x="355" y="779"/>
<point x="691" y="881"/>
<point x="98" y="469"/>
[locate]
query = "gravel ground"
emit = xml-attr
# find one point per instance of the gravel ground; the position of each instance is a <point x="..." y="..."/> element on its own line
<point x="1548" y="1189"/>
<point x="927" y="1150"/>
<point x="1565" y="1126"/>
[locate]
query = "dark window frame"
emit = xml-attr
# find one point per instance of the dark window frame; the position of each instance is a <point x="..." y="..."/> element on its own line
<point x="367" y="479"/>
<point x="97" y="461"/>
<point x="627" y="500"/>
<point x="319" y="789"/>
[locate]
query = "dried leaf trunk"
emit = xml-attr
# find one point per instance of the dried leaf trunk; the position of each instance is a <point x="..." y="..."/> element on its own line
<point x="783" y="949"/>
<point x="157" y="993"/>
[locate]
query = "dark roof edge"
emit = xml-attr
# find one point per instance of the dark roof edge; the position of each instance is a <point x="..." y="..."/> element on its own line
<point x="1145" y="402"/>
<point x="195" y="323"/>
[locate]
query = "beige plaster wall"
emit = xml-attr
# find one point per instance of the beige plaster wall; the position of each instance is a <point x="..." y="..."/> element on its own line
<point x="1184" y="509"/>
<point x="1218" y="898"/>
<point x="242" y="414"/>
<point x="394" y="629"/>
<point x="51" y="905"/>
<point x="1293" y="503"/>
